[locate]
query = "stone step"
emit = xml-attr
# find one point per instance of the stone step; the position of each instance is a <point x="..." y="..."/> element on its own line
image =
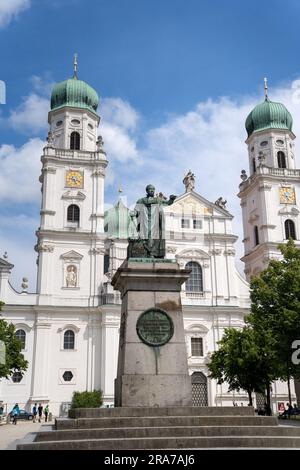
<point x="178" y="431"/>
<point x="171" y="443"/>
<point x="162" y="411"/>
<point x="164" y="421"/>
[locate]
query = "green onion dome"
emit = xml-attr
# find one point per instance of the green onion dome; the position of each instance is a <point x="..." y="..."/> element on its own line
<point x="75" y="93"/>
<point x="118" y="223"/>
<point x="268" y="115"/>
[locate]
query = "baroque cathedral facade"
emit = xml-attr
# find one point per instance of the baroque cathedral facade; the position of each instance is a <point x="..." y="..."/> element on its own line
<point x="70" y="326"/>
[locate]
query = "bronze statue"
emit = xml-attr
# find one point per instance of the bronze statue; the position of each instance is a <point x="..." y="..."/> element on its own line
<point x="150" y="225"/>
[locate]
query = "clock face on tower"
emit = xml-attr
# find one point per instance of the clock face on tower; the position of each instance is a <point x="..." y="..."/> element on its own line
<point x="74" y="179"/>
<point x="287" y="195"/>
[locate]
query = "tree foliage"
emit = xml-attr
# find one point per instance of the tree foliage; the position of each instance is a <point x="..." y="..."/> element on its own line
<point x="241" y="362"/>
<point x="14" y="359"/>
<point x="254" y="357"/>
<point x="275" y="308"/>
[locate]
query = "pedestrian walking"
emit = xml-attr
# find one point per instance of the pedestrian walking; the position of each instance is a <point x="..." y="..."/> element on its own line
<point x="46" y="412"/>
<point x="15" y="413"/>
<point x="40" y="412"/>
<point x="34" y="412"/>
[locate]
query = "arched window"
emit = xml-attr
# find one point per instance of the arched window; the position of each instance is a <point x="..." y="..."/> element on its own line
<point x="290" y="231"/>
<point x="73" y="213"/>
<point x="256" y="237"/>
<point x="281" y="160"/>
<point x="253" y="165"/>
<point x="69" y="339"/>
<point x="195" y="281"/>
<point x="75" y="141"/>
<point x="21" y="335"/>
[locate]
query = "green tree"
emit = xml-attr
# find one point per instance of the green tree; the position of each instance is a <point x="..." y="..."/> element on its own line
<point x="14" y="359"/>
<point x="241" y="362"/>
<point x="275" y="310"/>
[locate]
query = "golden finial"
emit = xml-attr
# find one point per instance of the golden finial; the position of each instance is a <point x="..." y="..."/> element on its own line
<point x="75" y="66"/>
<point x="266" y="87"/>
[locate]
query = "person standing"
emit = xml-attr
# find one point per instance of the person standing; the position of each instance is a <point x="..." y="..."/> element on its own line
<point x="34" y="412"/>
<point x="46" y="412"/>
<point x="15" y="413"/>
<point x="40" y="412"/>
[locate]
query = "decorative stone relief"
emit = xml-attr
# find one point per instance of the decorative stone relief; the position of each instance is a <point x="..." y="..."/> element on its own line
<point x="99" y="172"/>
<point x="97" y="251"/>
<point x="171" y="249"/>
<point x="49" y="169"/>
<point x="215" y="251"/>
<point x="74" y="195"/>
<point x="43" y="247"/>
<point x="229" y="252"/>
<point x="265" y="187"/>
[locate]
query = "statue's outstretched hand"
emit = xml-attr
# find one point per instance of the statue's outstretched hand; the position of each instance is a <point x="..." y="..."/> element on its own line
<point x="173" y="197"/>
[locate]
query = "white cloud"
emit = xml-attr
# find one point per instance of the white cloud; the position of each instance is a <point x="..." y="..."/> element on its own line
<point x="19" y="172"/>
<point x="118" y="144"/>
<point x="120" y="113"/>
<point x="9" y="9"/>
<point x="119" y="130"/>
<point x="31" y="115"/>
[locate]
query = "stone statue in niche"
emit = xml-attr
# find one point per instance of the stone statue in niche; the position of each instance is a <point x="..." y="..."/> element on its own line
<point x="71" y="277"/>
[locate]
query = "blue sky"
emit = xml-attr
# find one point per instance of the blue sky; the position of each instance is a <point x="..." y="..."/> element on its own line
<point x="176" y="79"/>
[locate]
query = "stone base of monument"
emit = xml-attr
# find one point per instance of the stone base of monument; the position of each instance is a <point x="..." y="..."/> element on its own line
<point x="160" y="428"/>
<point x="152" y="363"/>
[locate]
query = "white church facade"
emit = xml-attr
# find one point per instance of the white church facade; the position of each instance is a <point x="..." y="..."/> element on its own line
<point x="70" y="326"/>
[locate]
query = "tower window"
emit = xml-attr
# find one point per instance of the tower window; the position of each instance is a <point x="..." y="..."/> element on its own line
<point x="69" y="339"/>
<point x="75" y="141"/>
<point x="290" y="231"/>
<point x="197" y="346"/>
<point x="21" y="335"/>
<point x="281" y="160"/>
<point x="253" y="165"/>
<point x="195" y="281"/>
<point x="73" y="213"/>
<point x="256" y="237"/>
<point x="106" y="263"/>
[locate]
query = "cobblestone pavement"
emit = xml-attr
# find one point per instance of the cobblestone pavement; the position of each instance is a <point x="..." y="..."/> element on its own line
<point x="11" y="434"/>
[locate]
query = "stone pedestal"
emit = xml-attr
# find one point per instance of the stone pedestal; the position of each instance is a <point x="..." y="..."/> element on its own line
<point x="151" y="375"/>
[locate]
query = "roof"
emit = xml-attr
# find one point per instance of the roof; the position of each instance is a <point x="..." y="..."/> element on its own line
<point x="74" y="93"/>
<point x="268" y="115"/>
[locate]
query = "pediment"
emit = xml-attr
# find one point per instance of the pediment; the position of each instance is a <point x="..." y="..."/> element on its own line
<point x="74" y="195"/>
<point x="192" y="203"/>
<point x="5" y="264"/>
<point x="288" y="211"/>
<point x="71" y="255"/>
<point x="193" y="254"/>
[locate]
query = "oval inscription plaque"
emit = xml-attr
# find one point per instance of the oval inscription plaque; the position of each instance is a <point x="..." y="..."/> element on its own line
<point x="154" y="327"/>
